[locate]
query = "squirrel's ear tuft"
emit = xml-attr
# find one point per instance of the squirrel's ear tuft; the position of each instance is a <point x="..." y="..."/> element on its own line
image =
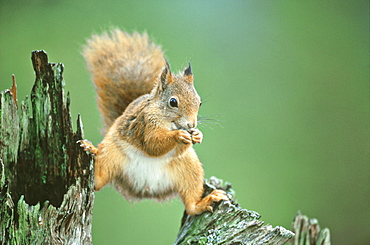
<point x="166" y="77"/>
<point x="188" y="74"/>
<point x="188" y="70"/>
<point x="166" y="69"/>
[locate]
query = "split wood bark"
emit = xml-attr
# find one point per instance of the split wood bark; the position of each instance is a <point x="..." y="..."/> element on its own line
<point x="308" y="231"/>
<point x="46" y="179"/>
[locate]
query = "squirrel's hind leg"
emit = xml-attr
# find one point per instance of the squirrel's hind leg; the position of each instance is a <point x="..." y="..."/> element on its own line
<point x="191" y="195"/>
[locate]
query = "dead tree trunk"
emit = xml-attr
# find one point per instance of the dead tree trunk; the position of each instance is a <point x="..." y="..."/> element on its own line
<point x="46" y="179"/>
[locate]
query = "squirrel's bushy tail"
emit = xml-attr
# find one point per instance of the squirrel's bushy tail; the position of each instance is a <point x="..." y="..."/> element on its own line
<point x="123" y="67"/>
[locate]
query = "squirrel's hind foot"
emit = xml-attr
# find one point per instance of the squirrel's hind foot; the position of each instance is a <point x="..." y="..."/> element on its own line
<point x="205" y="204"/>
<point x="215" y="196"/>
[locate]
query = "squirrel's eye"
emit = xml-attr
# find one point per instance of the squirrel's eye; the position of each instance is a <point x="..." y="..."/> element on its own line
<point x="173" y="102"/>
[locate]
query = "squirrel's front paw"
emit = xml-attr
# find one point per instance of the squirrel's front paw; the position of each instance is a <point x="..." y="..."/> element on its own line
<point x="88" y="146"/>
<point x="196" y="136"/>
<point x="184" y="137"/>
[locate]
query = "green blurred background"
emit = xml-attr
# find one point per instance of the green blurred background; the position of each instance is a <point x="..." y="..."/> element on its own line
<point x="288" y="83"/>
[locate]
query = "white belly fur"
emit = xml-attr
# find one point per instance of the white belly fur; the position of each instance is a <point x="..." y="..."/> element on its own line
<point x="148" y="174"/>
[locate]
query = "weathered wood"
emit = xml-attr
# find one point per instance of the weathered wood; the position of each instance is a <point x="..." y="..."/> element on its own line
<point x="46" y="179"/>
<point x="228" y="224"/>
<point x="308" y="231"/>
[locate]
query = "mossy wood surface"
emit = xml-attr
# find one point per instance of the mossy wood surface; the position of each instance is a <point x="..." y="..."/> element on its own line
<point x="229" y="224"/>
<point x="46" y="179"/>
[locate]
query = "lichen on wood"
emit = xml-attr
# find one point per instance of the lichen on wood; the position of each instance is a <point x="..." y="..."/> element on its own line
<point x="229" y="224"/>
<point x="46" y="179"/>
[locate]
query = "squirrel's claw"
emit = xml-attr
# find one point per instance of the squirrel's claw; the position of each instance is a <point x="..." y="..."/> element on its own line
<point x="87" y="146"/>
<point x="218" y="195"/>
<point x="205" y="204"/>
<point x="196" y="136"/>
<point x="210" y="209"/>
<point x="185" y="137"/>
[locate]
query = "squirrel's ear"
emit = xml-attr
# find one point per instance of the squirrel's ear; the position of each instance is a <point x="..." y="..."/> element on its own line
<point x="166" y="72"/>
<point x="188" y="74"/>
<point x="166" y="77"/>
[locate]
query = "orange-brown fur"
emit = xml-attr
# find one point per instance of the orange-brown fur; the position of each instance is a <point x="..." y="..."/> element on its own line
<point x="118" y="63"/>
<point x="147" y="150"/>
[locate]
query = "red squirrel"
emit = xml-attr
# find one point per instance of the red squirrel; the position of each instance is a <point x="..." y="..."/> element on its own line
<point x="150" y="118"/>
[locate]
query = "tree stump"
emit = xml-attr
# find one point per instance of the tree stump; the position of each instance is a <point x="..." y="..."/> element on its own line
<point x="46" y="179"/>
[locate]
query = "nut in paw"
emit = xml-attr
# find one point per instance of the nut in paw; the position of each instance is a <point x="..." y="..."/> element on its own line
<point x="185" y="137"/>
<point x="196" y="135"/>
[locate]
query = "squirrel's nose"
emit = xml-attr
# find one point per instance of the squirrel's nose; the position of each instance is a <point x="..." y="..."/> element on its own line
<point x="191" y="125"/>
